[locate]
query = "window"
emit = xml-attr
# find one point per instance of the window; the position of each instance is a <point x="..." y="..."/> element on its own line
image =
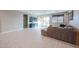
<point x="57" y="20"/>
<point x="60" y="20"/>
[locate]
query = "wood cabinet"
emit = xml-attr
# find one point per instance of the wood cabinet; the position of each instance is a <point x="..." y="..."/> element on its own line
<point x="67" y="35"/>
<point x="64" y="34"/>
<point x="77" y="38"/>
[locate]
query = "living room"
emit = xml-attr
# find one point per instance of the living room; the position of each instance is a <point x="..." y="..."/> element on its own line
<point x="39" y="29"/>
<point x="25" y="26"/>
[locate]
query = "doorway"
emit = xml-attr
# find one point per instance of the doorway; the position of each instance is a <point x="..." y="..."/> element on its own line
<point x="25" y="21"/>
<point x="43" y="21"/>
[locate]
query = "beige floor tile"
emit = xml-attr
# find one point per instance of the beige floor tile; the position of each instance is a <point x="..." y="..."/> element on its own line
<point x="30" y="38"/>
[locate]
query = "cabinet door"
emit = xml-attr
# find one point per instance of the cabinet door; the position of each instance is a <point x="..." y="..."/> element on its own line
<point x="77" y="38"/>
<point x="71" y="37"/>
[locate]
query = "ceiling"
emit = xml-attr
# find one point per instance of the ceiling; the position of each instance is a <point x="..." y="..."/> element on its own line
<point x="40" y="12"/>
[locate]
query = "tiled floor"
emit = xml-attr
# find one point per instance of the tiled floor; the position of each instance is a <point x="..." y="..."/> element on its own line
<point x="30" y="38"/>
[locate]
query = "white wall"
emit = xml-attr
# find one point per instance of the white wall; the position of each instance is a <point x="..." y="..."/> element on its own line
<point x="0" y="25"/>
<point x="75" y="21"/>
<point x="11" y="20"/>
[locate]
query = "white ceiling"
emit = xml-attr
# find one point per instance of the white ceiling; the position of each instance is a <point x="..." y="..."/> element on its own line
<point x="41" y="12"/>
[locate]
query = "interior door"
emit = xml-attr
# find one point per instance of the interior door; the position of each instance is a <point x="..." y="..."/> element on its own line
<point x="25" y="22"/>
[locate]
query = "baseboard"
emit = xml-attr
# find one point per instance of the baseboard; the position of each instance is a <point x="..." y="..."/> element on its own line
<point x="12" y="31"/>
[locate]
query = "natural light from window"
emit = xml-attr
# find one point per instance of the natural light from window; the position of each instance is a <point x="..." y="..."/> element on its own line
<point x="43" y="21"/>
